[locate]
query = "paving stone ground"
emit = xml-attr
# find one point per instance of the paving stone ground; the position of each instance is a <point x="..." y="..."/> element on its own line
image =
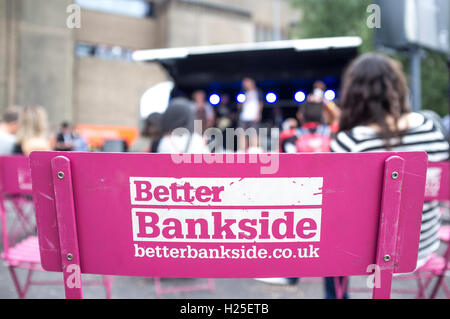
<point x="144" y="288"/>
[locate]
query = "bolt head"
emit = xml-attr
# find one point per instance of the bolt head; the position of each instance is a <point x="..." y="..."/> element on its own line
<point x="387" y="258"/>
<point x="395" y="175"/>
<point x="69" y="257"/>
<point x="60" y="175"/>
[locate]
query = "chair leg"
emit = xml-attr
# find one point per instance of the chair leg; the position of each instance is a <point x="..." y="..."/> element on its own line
<point x="24" y="219"/>
<point x="421" y="293"/>
<point x="446" y="290"/>
<point x="437" y="285"/>
<point x="27" y="282"/>
<point x="108" y="281"/>
<point x="211" y="285"/>
<point x="338" y="288"/>
<point x="158" y="287"/>
<point x="22" y="292"/>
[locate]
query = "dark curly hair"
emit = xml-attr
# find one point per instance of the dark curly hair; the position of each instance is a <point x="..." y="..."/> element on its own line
<point x="374" y="87"/>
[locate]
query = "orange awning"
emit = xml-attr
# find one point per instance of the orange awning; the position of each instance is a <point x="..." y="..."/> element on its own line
<point x="96" y="135"/>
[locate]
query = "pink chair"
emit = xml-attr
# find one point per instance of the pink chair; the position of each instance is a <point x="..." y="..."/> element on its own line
<point x="21" y="247"/>
<point x="437" y="266"/>
<point x="228" y="216"/>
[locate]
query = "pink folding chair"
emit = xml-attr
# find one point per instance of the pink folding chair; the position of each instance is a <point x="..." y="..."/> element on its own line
<point x="20" y="243"/>
<point x="437" y="266"/>
<point x="228" y="215"/>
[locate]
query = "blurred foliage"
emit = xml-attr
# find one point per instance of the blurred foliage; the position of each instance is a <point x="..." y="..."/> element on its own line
<point x="330" y="18"/>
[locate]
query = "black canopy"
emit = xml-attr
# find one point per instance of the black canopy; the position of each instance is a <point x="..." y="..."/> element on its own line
<point x="283" y="67"/>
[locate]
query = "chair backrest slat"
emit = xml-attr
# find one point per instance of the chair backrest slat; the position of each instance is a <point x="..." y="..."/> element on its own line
<point x="438" y="180"/>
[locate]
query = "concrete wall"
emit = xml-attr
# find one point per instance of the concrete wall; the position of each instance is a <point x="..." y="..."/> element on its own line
<point x="3" y="56"/>
<point x="38" y="66"/>
<point x="191" y="24"/>
<point x="262" y="12"/>
<point x="39" y="56"/>
<point x="110" y="29"/>
<point x="108" y="92"/>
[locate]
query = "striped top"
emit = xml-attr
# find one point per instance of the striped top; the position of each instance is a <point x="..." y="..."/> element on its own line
<point x="423" y="135"/>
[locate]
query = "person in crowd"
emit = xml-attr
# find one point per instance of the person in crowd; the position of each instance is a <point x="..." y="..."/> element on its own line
<point x="319" y="88"/>
<point x="80" y="144"/>
<point x="151" y="131"/>
<point x="224" y="118"/>
<point x="288" y="136"/>
<point x="446" y="124"/>
<point x="8" y="130"/>
<point x="65" y="139"/>
<point x="376" y="117"/>
<point x="312" y="136"/>
<point x="331" y="112"/>
<point x="32" y="134"/>
<point x="177" y="126"/>
<point x="223" y="113"/>
<point x="203" y="110"/>
<point x="250" y="112"/>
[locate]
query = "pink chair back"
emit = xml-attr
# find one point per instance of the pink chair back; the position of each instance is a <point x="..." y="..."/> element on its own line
<point x="15" y="180"/>
<point x="15" y="175"/>
<point x="438" y="179"/>
<point x="149" y="215"/>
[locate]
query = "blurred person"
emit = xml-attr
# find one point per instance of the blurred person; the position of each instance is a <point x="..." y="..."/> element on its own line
<point x="8" y="130"/>
<point x="203" y="110"/>
<point x="288" y="133"/>
<point x="223" y="113"/>
<point x="224" y="117"/>
<point x="437" y="121"/>
<point x="65" y="138"/>
<point x="69" y="140"/>
<point x="446" y="124"/>
<point x="80" y="144"/>
<point x="178" y="115"/>
<point x="32" y="134"/>
<point x="319" y="88"/>
<point x="250" y="112"/>
<point x="331" y="112"/>
<point x="289" y="124"/>
<point x="312" y="135"/>
<point x="376" y="117"/>
<point x="149" y="134"/>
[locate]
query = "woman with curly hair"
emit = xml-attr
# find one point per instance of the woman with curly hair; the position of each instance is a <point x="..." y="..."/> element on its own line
<point x="376" y="118"/>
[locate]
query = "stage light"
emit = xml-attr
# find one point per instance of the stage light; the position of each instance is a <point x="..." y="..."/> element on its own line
<point x="241" y="98"/>
<point x="214" y="99"/>
<point x="330" y="95"/>
<point x="300" y="96"/>
<point x="271" y="98"/>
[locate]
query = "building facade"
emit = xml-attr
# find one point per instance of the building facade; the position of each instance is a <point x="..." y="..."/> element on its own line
<point x="85" y="75"/>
